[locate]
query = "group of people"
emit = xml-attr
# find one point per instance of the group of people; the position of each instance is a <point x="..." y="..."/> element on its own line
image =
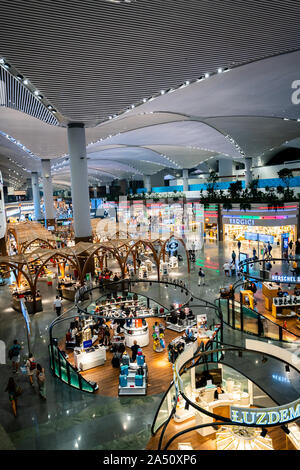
<point x="33" y="370"/>
<point x="230" y="266"/>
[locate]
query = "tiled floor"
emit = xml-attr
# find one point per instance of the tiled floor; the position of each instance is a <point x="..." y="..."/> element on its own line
<point x="71" y="419"/>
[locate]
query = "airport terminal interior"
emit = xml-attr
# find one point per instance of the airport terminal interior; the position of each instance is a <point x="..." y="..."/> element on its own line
<point x="149" y="225"/>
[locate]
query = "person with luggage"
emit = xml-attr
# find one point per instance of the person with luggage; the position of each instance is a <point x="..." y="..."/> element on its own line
<point x="134" y="350"/>
<point x="14" y="355"/>
<point x="31" y="367"/>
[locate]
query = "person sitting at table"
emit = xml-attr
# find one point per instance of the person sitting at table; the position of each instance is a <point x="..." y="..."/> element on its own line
<point x="218" y="392"/>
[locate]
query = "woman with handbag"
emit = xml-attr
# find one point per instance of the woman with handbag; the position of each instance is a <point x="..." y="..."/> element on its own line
<point x="13" y="391"/>
<point x="31" y="367"/>
<point x="41" y="380"/>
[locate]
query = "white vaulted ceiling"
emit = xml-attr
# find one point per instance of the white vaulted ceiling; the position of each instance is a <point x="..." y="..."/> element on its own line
<point x="157" y="83"/>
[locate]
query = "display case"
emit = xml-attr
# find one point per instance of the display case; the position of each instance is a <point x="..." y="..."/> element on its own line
<point x="130" y="387"/>
<point x="90" y="358"/>
<point x="140" y="335"/>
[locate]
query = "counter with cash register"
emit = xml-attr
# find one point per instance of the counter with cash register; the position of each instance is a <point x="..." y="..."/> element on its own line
<point x="67" y="287"/>
<point x="24" y="292"/>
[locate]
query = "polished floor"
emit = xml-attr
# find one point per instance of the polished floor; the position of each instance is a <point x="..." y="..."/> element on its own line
<point x="70" y="419"/>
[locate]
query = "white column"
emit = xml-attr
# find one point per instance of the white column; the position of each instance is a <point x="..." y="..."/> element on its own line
<point x="185" y="179"/>
<point x="79" y="181"/>
<point x="248" y="173"/>
<point x="48" y="190"/>
<point x="95" y="193"/>
<point x="36" y="195"/>
<point x="147" y="183"/>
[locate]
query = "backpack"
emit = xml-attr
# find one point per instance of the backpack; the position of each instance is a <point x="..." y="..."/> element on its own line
<point x="13" y="352"/>
<point x="32" y="365"/>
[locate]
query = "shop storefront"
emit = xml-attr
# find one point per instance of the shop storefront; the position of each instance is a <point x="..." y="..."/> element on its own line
<point x="211" y="222"/>
<point x="260" y="224"/>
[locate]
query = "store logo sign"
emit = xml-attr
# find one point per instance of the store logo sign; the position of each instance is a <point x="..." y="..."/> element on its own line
<point x="289" y="279"/>
<point x="267" y="416"/>
<point x="296" y="94"/>
<point x="237" y="221"/>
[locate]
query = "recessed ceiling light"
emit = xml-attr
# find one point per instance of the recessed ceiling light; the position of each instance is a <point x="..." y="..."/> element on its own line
<point x="220" y="70"/>
<point x="25" y="81"/>
<point x="36" y="92"/>
<point x="206" y="75"/>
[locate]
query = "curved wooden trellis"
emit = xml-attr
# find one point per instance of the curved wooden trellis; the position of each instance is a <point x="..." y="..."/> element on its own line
<point x="163" y="250"/>
<point x="133" y="250"/>
<point x="26" y="245"/>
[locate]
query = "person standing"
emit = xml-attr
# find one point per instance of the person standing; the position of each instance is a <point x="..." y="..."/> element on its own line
<point x="41" y="380"/>
<point x="254" y="253"/>
<point x="134" y="349"/>
<point x="201" y="276"/>
<point x="291" y="244"/>
<point x="239" y="245"/>
<point x="269" y="248"/>
<point x="233" y="256"/>
<point x="14" y="355"/>
<point x="31" y="367"/>
<point x="226" y="268"/>
<point x="57" y="305"/>
<point x="11" y="388"/>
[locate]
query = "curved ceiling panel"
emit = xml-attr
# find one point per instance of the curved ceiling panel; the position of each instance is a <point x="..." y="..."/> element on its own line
<point x="42" y="139"/>
<point x="66" y="50"/>
<point x="262" y="88"/>
<point x="133" y="154"/>
<point x="187" y="133"/>
<point x="257" y="135"/>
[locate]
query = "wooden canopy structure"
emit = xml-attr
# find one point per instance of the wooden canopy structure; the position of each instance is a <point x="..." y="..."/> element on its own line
<point x="80" y="255"/>
<point x="27" y="233"/>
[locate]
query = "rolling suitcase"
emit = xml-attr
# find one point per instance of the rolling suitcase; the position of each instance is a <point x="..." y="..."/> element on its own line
<point x="124" y="370"/>
<point x="138" y="380"/>
<point x="123" y="380"/>
<point x="140" y="360"/>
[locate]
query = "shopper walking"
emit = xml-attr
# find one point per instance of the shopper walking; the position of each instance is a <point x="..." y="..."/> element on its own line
<point x="106" y="336"/>
<point x="201" y="277"/>
<point x="11" y="388"/>
<point x="57" y="305"/>
<point x="41" y="381"/>
<point x="269" y="248"/>
<point x="14" y="355"/>
<point x="233" y="256"/>
<point x="239" y="245"/>
<point x="31" y="367"/>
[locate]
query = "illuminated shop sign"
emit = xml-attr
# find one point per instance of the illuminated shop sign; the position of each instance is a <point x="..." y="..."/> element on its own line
<point x="267" y="416"/>
<point x="288" y="279"/>
<point x="238" y="221"/>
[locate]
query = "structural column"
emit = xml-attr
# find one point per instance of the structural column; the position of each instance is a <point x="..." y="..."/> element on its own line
<point x="79" y="182"/>
<point x="225" y="167"/>
<point x="147" y="183"/>
<point x="48" y="193"/>
<point x="107" y="189"/>
<point x="248" y="173"/>
<point x="36" y="195"/>
<point x="185" y="179"/>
